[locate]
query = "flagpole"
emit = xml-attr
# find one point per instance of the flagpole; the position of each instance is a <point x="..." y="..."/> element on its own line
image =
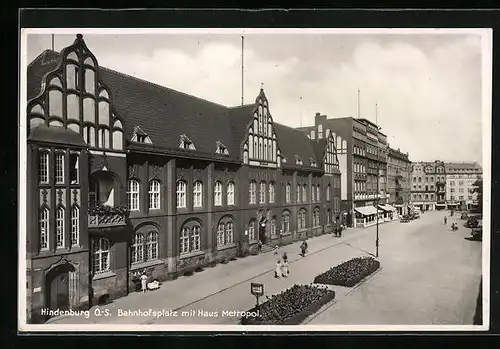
<point x="378" y="178"/>
<point x="359" y="105"/>
<point x="300" y="111"/>
<point x="242" y="67"/>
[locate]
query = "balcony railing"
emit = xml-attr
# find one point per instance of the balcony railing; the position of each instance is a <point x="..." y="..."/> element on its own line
<point x="106" y="216"/>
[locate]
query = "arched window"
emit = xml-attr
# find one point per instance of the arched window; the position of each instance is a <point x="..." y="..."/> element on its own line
<point x="72" y="74"/>
<point x="285" y="219"/>
<point x="255" y="148"/>
<point x="250" y="146"/>
<point x="104" y="113"/>
<point x="89" y="81"/>
<point x="220" y="234"/>
<point x="44" y="228"/>
<point x="274" y="151"/>
<point x="59" y="170"/>
<point x="288" y="193"/>
<point x="313" y="193"/>
<point x="262" y="192"/>
<point x="101" y="255"/>
<point x="55" y="103"/>
<point x="251" y="230"/>
<point x="261" y="149"/>
<point x="252" y="192"/>
<point x="138" y="249"/>
<point x="229" y="233"/>
<point x="72" y="107"/>
<point x="218" y="194"/>
<point x="316" y="222"/>
<point x="195" y="238"/>
<point x="271" y="192"/>
<point x="301" y="220"/>
<point x="89" y="110"/>
<point x="75" y="226"/>
<point x="265" y="149"/>
<point x="184" y="239"/>
<point x="133" y="195"/>
<point x="89" y="135"/>
<point x="318" y="189"/>
<point x="230" y="193"/>
<point x="298" y="192"/>
<point x="270" y="150"/>
<point x="328" y="188"/>
<point x="181" y="194"/>
<point x="154" y="195"/>
<point x="43" y="168"/>
<point x="152" y="245"/>
<point x="320" y="131"/>
<point x="117" y="140"/>
<point x="197" y="194"/>
<point x="304" y="193"/>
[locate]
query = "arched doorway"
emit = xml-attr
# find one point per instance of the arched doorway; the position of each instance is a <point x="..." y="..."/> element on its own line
<point x="58" y="287"/>
<point x="263" y="230"/>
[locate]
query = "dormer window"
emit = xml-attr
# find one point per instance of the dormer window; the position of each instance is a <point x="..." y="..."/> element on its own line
<point x="313" y="162"/>
<point x="221" y="149"/>
<point x="140" y="136"/>
<point x="186" y="143"/>
<point x="298" y="161"/>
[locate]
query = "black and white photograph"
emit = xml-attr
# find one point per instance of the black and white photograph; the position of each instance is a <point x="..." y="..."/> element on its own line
<point x="254" y="179"/>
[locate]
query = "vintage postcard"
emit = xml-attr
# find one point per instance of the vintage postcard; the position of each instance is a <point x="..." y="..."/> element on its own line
<point x="254" y="179"/>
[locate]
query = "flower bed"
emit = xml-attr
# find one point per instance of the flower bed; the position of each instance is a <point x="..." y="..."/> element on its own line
<point x="348" y="273"/>
<point x="289" y="307"/>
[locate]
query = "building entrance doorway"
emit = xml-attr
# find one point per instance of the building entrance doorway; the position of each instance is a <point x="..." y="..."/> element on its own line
<point x="57" y="290"/>
<point x="263" y="231"/>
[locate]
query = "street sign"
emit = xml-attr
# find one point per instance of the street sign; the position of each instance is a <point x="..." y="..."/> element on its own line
<point x="257" y="289"/>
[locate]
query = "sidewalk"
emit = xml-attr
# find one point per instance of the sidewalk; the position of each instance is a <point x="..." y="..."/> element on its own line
<point x="184" y="291"/>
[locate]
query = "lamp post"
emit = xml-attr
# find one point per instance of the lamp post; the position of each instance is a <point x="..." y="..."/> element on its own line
<point x="378" y="179"/>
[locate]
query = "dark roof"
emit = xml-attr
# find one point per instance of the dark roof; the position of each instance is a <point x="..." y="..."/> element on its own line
<point x="294" y="143"/>
<point x="57" y="135"/>
<point x="165" y="114"/>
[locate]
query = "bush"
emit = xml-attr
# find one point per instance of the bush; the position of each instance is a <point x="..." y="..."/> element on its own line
<point x="232" y="258"/>
<point x="199" y="269"/>
<point x="290" y="307"/>
<point x="188" y="273"/>
<point x="348" y="273"/>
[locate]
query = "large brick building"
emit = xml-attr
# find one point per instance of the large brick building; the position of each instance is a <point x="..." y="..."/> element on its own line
<point x="363" y="150"/>
<point x="126" y="176"/>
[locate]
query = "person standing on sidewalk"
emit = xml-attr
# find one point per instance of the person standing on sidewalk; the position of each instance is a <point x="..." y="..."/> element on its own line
<point x="284" y="268"/>
<point x="144" y="282"/>
<point x="277" y="271"/>
<point x="445" y="220"/>
<point x="259" y="246"/>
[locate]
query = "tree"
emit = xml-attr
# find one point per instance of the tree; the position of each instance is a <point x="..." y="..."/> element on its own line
<point x="477" y="187"/>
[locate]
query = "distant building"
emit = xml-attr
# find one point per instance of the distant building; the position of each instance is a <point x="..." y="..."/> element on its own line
<point x="428" y="185"/>
<point x="399" y="180"/>
<point x="362" y="150"/>
<point x="460" y="179"/>
<point x="126" y="176"/>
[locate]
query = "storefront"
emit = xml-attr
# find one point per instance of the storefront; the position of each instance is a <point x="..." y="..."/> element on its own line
<point x="390" y="212"/>
<point x="365" y="216"/>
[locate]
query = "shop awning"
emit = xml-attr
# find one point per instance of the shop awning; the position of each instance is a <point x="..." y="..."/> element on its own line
<point x="387" y="208"/>
<point x="392" y="208"/>
<point x="366" y="210"/>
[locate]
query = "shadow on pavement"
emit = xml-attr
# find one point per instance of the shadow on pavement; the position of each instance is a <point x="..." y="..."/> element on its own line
<point x="478" y="316"/>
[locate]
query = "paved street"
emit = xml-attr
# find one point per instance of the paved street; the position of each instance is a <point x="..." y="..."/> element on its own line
<point x="429" y="275"/>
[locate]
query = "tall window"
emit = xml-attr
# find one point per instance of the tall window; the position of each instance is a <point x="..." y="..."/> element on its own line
<point x="73" y="170"/>
<point x="44" y="228"/>
<point x="328" y="216"/>
<point x="218" y="194"/>
<point x="262" y="192"/>
<point x="197" y="194"/>
<point x="316" y="218"/>
<point x="229" y="233"/>
<point x="318" y="189"/>
<point x="252" y="192"/>
<point x="100" y="253"/>
<point x="285" y="218"/>
<point x="184" y="240"/>
<point x="273" y="226"/>
<point x="288" y="194"/>
<point x="181" y="194"/>
<point x="59" y="168"/>
<point x="301" y="220"/>
<point x="43" y="168"/>
<point x="304" y="193"/>
<point x="195" y="238"/>
<point x="313" y="193"/>
<point x="75" y="226"/>
<point x="271" y="192"/>
<point x="133" y="195"/>
<point x="328" y="192"/>
<point x="298" y="193"/>
<point x="154" y="195"/>
<point x="220" y="234"/>
<point x="230" y="193"/>
<point x="60" y="227"/>
<point x="251" y="230"/>
<point x="138" y="249"/>
<point x="152" y="245"/>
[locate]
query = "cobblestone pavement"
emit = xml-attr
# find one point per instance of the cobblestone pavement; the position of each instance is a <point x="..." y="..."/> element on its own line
<point x="429" y="275"/>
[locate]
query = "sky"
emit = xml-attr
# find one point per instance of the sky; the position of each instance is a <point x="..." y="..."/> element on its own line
<point x="427" y="86"/>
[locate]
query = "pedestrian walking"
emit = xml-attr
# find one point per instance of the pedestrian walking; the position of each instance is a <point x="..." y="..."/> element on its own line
<point x="276" y="249"/>
<point x="303" y="248"/>
<point x="259" y="246"/>
<point x="445" y="220"/>
<point x="284" y="268"/>
<point x="144" y="282"/>
<point x="285" y="257"/>
<point x="277" y="271"/>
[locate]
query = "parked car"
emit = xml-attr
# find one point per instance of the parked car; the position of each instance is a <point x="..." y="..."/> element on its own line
<point x="464" y="215"/>
<point x="477" y="234"/>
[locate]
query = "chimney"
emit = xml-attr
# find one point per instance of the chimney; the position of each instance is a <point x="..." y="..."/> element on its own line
<point x="318" y="119"/>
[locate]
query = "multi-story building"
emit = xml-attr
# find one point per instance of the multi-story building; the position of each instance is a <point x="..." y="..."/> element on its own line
<point x="428" y="185"/>
<point x="362" y="151"/>
<point x="460" y="179"/>
<point x="399" y="180"/>
<point x="126" y="176"/>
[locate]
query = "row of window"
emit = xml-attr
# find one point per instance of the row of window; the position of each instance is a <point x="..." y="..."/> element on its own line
<point x="59" y="168"/>
<point x="61" y="229"/>
<point x="358" y="168"/>
<point x="427" y="179"/>
<point x="461" y="197"/>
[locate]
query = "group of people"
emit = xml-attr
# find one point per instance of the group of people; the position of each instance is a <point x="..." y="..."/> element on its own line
<point x="282" y="268"/>
<point x="337" y="231"/>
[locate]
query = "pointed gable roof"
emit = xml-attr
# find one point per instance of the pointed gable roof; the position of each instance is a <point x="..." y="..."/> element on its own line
<point x="295" y="143"/>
